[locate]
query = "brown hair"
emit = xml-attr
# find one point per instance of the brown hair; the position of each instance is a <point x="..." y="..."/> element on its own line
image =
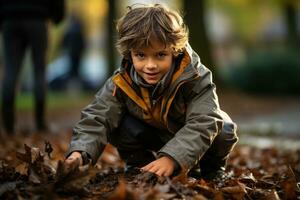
<point x="143" y="23"/>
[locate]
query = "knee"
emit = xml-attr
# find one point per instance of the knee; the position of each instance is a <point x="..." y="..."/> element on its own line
<point x="228" y="133"/>
<point x="225" y="141"/>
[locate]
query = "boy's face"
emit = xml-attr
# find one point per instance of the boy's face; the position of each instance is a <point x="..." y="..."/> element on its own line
<point x="152" y="62"/>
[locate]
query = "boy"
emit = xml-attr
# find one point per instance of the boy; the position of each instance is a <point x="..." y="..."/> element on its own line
<point x="160" y="100"/>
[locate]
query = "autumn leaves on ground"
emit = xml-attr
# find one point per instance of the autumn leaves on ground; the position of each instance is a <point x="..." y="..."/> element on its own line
<point x="32" y="167"/>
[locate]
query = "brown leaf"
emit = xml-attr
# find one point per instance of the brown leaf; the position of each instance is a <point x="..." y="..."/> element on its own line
<point x="26" y="157"/>
<point x="36" y="155"/>
<point x="164" y="196"/>
<point x="237" y="192"/>
<point x="72" y="179"/>
<point x="37" y="170"/>
<point x="35" y="178"/>
<point x="147" y="177"/>
<point x="219" y="196"/>
<point x="31" y="155"/>
<point x="247" y="178"/>
<point x="199" y="197"/>
<point x="180" y="189"/>
<point x="160" y="192"/>
<point x="63" y="170"/>
<point x="205" y="190"/>
<point x="289" y="188"/>
<point x="120" y="192"/>
<point x="272" y="195"/>
<point x="266" y="184"/>
<point x="48" y="149"/>
<point x="22" y="169"/>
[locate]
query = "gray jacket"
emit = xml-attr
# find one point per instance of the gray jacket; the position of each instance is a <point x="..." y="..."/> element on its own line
<point x="188" y="109"/>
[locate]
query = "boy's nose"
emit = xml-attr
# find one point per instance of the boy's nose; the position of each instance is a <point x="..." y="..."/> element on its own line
<point x="151" y="64"/>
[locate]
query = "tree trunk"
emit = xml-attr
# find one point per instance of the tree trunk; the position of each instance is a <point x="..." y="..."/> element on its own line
<point x="195" y="19"/>
<point x="110" y="50"/>
<point x="290" y="14"/>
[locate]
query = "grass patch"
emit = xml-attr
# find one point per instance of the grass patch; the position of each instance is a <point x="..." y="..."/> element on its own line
<point x="25" y="101"/>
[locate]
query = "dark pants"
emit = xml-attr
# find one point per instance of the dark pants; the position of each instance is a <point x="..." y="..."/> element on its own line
<point x="135" y="140"/>
<point x="18" y="36"/>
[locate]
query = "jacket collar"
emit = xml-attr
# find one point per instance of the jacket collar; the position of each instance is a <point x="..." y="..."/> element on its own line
<point x="155" y="90"/>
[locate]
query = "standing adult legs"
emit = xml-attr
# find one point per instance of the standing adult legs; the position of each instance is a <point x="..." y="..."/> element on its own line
<point x="38" y="39"/>
<point x="14" y="50"/>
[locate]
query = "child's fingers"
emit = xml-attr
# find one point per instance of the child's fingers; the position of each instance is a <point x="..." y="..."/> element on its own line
<point x="70" y="160"/>
<point x="164" y="171"/>
<point x="167" y="172"/>
<point x="147" y="167"/>
<point x="160" y="172"/>
<point x="151" y="168"/>
<point x="157" y="168"/>
<point x="74" y="157"/>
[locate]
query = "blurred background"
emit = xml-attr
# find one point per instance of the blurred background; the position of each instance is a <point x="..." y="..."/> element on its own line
<point x="252" y="47"/>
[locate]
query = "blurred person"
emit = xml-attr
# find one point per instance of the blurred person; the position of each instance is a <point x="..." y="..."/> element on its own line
<point x="160" y="108"/>
<point x="74" y="45"/>
<point x="24" y="26"/>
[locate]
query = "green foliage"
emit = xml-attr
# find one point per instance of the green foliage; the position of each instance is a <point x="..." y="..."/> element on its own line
<point x="248" y="17"/>
<point x="268" y="72"/>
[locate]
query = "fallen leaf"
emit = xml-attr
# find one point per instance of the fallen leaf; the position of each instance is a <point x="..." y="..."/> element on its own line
<point x="120" y="192"/>
<point x="22" y="169"/>
<point x="237" y="192"/>
<point x="272" y="195"/>
<point x="247" y="178"/>
<point x="48" y="149"/>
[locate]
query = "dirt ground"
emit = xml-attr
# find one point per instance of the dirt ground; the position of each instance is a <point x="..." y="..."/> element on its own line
<point x="36" y="171"/>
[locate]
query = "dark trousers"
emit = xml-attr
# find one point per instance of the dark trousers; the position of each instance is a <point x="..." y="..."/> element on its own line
<point x="18" y="36"/>
<point x="135" y="140"/>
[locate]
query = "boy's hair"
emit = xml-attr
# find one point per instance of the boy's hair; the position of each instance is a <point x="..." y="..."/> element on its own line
<point x="144" y="23"/>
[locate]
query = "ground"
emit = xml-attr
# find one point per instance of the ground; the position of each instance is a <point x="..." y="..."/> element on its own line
<point x="28" y="172"/>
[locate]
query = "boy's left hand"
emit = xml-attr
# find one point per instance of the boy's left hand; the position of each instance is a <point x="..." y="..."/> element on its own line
<point x="163" y="166"/>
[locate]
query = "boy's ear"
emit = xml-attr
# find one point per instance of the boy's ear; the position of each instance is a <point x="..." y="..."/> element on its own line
<point x="175" y="54"/>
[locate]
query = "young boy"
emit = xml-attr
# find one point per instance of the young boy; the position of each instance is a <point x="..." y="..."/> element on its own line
<point x="161" y="100"/>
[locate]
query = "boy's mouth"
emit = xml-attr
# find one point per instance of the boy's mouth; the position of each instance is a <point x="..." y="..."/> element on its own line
<point x="151" y="74"/>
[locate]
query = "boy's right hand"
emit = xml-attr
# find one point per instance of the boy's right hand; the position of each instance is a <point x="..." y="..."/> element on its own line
<point x="73" y="157"/>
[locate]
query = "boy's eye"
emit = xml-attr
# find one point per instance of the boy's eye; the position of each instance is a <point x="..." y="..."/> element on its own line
<point x="140" y="55"/>
<point x="161" y="55"/>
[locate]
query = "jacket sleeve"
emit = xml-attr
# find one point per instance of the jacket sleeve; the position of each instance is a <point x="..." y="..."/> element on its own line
<point x="98" y="119"/>
<point x="204" y="120"/>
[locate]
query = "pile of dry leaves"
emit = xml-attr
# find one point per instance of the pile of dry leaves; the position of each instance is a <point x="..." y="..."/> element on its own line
<point x="29" y="172"/>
